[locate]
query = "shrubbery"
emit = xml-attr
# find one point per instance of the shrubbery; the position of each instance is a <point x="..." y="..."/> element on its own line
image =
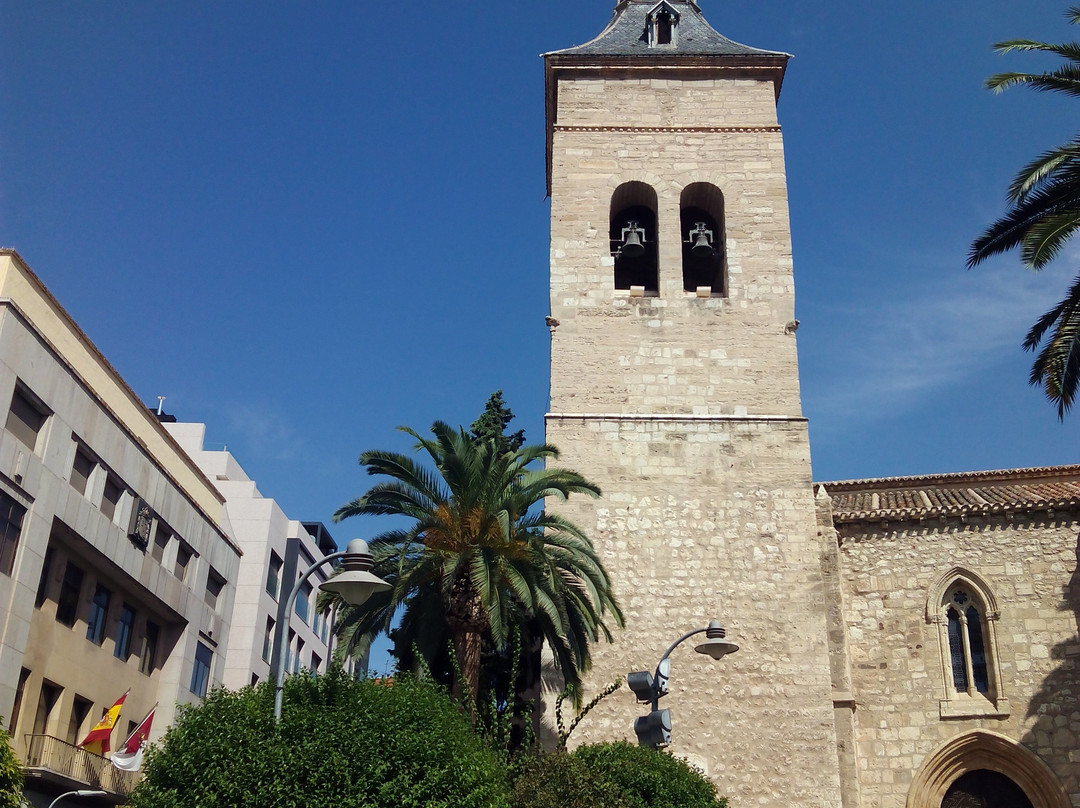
<point x="11" y="774"/>
<point x="342" y="742"/>
<point x="613" y="775"/>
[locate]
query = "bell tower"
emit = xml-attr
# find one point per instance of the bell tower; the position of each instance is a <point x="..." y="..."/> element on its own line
<point x="674" y="386"/>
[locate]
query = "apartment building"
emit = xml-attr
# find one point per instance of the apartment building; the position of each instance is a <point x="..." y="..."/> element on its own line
<point x="277" y="550"/>
<point x="116" y="573"/>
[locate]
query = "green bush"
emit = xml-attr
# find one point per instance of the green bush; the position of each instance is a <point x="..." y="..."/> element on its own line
<point x="649" y="778"/>
<point x="612" y="775"/>
<point x="342" y="742"/>
<point x="11" y="774"/>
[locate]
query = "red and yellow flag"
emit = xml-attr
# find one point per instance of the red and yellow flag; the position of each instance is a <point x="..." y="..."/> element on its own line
<point x="97" y="740"/>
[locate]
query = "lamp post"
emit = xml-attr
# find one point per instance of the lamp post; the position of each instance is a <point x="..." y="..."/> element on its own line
<point x="80" y="793"/>
<point x="654" y="729"/>
<point x="355" y="584"/>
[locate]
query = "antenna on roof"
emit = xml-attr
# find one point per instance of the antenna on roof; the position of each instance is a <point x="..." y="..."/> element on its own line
<point x="160" y="404"/>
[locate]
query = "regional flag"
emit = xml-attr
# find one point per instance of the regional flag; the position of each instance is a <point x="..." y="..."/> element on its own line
<point x="129" y="756"/>
<point x="97" y="740"/>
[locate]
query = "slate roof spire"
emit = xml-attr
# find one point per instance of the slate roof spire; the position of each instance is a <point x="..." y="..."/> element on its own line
<point x="636" y="29"/>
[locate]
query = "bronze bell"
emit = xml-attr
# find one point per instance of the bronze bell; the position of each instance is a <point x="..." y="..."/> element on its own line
<point x="633" y="245"/>
<point x="700" y="236"/>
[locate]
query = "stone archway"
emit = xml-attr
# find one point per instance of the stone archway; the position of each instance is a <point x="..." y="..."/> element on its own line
<point x="985" y="750"/>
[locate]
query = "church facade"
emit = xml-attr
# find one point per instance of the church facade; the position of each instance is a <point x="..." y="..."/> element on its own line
<point x="903" y="641"/>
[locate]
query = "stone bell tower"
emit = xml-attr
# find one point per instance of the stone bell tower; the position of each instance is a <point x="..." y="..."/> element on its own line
<point x="674" y="386"/>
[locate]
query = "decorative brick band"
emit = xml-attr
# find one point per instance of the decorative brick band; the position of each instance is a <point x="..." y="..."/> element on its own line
<point x="648" y="129"/>
<point x="667" y="416"/>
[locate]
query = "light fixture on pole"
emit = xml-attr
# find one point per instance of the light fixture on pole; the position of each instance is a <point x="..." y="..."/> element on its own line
<point x="354" y="584"/>
<point x="654" y="729"/>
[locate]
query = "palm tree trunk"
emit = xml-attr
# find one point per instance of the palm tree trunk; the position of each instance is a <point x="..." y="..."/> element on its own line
<point x="467" y="644"/>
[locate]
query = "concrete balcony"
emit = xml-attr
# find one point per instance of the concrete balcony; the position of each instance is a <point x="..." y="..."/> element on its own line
<point x="56" y="765"/>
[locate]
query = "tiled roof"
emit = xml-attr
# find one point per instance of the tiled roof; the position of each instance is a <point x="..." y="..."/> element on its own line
<point x="970" y="493"/>
<point x="626" y="35"/>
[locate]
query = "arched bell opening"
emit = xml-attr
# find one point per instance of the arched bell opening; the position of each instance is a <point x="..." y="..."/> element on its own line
<point x="633" y="238"/>
<point x="701" y="221"/>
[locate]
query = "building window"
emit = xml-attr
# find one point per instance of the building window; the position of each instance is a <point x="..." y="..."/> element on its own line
<point x="701" y="217"/>
<point x="43" y="581"/>
<point x="16" y="708"/>
<point x="11" y="519"/>
<point x="200" y="673"/>
<point x="148" y="656"/>
<point x="80" y="709"/>
<point x="296" y="660"/>
<point x="81" y="470"/>
<point x="273" y="575"/>
<point x="49" y="696"/>
<point x="214" y="584"/>
<point x="26" y="417"/>
<point x="99" y="611"/>
<point x="966" y="613"/>
<point x="303" y="602"/>
<point x="67" y="605"/>
<point x="632" y="230"/>
<point x="110" y="498"/>
<point x="125" y="625"/>
<point x="268" y="640"/>
<point x="161" y="541"/>
<point x="183" y="556"/>
<point x="316" y="662"/>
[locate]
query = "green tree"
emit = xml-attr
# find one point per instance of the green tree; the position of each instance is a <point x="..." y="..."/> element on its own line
<point x="1044" y="213"/>
<point x="478" y="556"/>
<point x="341" y="742"/>
<point x="492" y="423"/>
<point x="11" y="774"/>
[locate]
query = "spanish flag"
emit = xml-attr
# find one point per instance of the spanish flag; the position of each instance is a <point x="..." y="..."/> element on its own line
<point x="97" y="740"/>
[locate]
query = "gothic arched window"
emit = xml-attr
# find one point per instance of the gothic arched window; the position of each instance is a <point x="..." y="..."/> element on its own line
<point x="662" y="23"/>
<point x="634" y="238"/>
<point x="964" y="609"/>
<point x="701" y="220"/>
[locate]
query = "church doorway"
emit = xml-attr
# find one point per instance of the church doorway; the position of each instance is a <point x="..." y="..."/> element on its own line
<point x="984" y="788"/>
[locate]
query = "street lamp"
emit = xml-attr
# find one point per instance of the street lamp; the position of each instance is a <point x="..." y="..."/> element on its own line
<point x="80" y="793"/>
<point x="654" y="729"/>
<point x="354" y="584"/>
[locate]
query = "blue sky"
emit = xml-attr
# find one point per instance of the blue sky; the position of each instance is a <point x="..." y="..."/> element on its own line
<point x="307" y="223"/>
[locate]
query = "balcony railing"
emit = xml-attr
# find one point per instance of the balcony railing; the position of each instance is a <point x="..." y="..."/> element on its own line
<point x="49" y="754"/>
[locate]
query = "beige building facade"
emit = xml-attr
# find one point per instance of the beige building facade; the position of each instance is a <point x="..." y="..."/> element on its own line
<point x="115" y="573"/>
<point x="908" y="656"/>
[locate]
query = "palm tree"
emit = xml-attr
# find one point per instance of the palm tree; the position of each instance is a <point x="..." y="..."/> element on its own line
<point x="1044" y="214"/>
<point x="478" y="558"/>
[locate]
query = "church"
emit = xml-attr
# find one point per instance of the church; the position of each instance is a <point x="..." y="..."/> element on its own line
<point x="904" y="642"/>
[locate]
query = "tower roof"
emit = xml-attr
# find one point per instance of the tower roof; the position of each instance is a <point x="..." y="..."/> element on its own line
<point x="627" y="34"/>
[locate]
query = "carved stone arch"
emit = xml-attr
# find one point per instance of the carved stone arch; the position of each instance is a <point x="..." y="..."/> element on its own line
<point x="633" y="231"/>
<point x="662" y="186"/>
<point x="961" y="575"/>
<point x="983" y="749"/>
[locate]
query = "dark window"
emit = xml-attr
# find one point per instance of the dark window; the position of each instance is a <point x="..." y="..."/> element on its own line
<point x="303" y="601"/>
<point x="125" y="625"/>
<point x="701" y="217"/>
<point x="148" y="657"/>
<point x="11" y="518"/>
<point x="26" y="418"/>
<point x="24" y="674"/>
<point x="956" y="652"/>
<point x="978" y="652"/>
<point x="43" y="581"/>
<point x="67" y="605"/>
<point x="316" y="663"/>
<point x="299" y="650"/>
<point x="214" y="584"/>
<point x="50" y="694"/>
<point x="254" y="679"/>
<point x="161" y="541"/>
<point x="273" y="575"/>
<point x="99" y="611"/>
<point x="183" y="556"/>
<point x="111" y="497"/>
<point x="633" y="234"/>
<point x="200" y="673"/>
<point x="663" y="28"/>
<point x="80" y="708"/>
<point x="81" y="470"/>
<point x="268" y="639"/>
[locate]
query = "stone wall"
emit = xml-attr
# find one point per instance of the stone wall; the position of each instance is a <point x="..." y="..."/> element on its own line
<point x="1029" y="564"/>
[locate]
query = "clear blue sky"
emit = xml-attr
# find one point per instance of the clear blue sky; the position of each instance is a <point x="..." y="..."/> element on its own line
<point x="307" y="223"/>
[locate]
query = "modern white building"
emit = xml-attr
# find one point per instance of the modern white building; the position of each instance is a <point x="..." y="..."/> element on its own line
<point x="116" y="572"/>
<point x="277" y="550"/>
